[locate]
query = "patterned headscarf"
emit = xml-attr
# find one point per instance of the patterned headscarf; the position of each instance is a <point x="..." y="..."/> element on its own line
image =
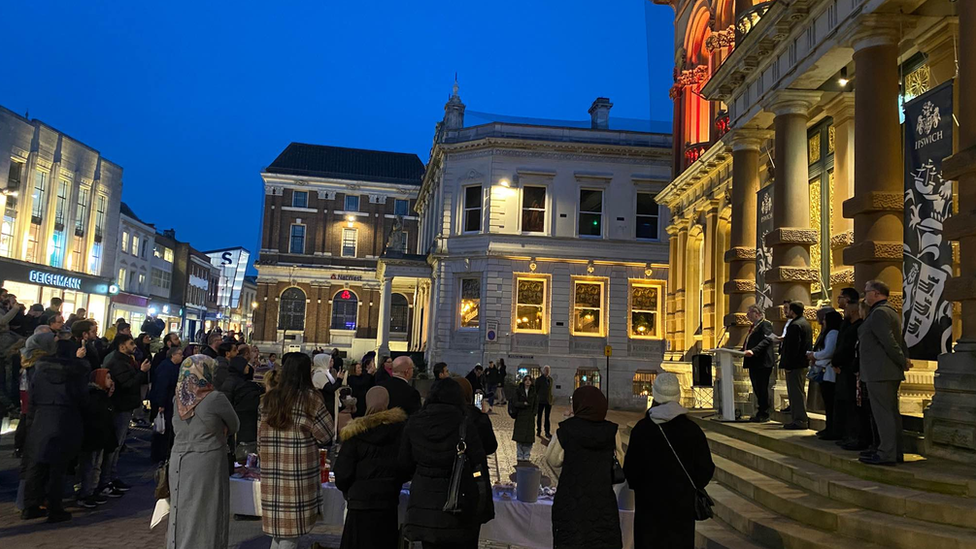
<point x="194" y="383"/>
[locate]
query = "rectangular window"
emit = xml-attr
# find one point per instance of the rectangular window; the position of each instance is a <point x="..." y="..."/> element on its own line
<point x="57" y="249"/>
<point x="472" y="209"/>
<point x="645" y="310"/>
<point x="297" y="239"/>
<point x="14" y="175"/>
<point x="33" y="238"/>
<point x="81" y="210"/>
<point x="588" y="307"/>
<point x="352" y="203"/>
<point x="95" y="261"/>
<point x="39" y="196"/>
<point x="7" y="235"/>
<point x="643" y="381"/>
<point x="349" y="238"/>
<point x="590" y="213"/>
<point x="76" y="261"/>
<point x="61" y="206"/>
<point x="530" y="305"/>
<point x="647" y="216"/>
<point x="158" y="251"/>
<point x="101" y="204"/>
<point x="142" y="283"/>
<point x="401" y="207"/>
<point x="299" y="199"/>
<point x="534" y="210"/>
<point x="470" y="307"/>
<point x="125" y="241"/>
<point x="121" y="280"/>
<point x="142" y="252"/>
<point x="135" y="245"/>
<point x="166" y="254"/>
<point x="161" y="278"/>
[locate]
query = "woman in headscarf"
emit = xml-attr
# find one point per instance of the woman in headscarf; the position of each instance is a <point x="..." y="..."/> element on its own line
<point x="198" y="471"/>
<point x="429" y="447"/>
<point x="584" y="511"/>
<point x="360" y="381"/>
<point x="369" y="474"/>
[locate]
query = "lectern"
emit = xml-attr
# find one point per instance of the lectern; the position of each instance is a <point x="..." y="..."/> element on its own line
<point x="726" y="376"/>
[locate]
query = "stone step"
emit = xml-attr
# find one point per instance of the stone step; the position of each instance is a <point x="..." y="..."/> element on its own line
<point x="768" y="529"/>
<point x="932" y="475"/>
<point x="841" y="487"/>
<point x="833" y="516"/>
<point x="912" y="439"/>
<point x="715" y="534"/>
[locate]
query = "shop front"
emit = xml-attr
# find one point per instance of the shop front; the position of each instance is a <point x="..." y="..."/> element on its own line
<point x="193" y="321"/>
<point x="33" y="283"/>
<point x="170" y="313"/>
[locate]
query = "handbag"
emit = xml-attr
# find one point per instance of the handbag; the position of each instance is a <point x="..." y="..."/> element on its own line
<point x="816" y="374"/>
<point x="469" y="489"/>
<point x="617" y="474"/>
<point x="453" y="504"/>
<point x="703" y="503"/>
<point x="162" y="480"/>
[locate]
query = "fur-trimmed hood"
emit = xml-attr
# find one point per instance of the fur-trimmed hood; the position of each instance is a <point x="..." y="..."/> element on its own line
<point x="368" y="423"/>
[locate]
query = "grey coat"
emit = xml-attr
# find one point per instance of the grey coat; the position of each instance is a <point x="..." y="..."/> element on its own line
<point x="883" y="351"/>
<point x="199" y="481"/>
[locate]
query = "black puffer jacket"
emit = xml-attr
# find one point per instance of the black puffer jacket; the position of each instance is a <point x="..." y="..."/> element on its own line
<point x="584" y="511"/>
<point x="99" y="426"/>
<point x="245" y="397"/>
<point x="58" y="402"/>
<point x="360" y="385"/>
<point x="128" y="379"/>
<point x="429" y="446"/>
<point x="367" y="470"/>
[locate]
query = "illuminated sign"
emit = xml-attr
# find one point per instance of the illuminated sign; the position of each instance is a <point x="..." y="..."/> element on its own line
<point x="51" y="279"/>
<point x="346" y="277"/>
<point x="346" y="294"/>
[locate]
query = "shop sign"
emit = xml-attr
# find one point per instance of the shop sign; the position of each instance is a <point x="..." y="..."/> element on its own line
<point x="52" y="279"/>
<point x="346" y="277"/>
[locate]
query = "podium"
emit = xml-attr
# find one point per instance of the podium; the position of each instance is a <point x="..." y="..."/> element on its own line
<point x="726" y="375"/>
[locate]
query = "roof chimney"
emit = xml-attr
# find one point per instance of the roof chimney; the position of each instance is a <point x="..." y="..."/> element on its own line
<point x="600" y="113"/>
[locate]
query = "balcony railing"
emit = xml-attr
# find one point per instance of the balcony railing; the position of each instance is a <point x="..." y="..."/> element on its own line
<point x="749" y="19"/>
<point x="693" y="152"/>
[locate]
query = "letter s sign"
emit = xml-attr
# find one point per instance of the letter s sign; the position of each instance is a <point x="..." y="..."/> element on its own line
<point x="225" y="259"/>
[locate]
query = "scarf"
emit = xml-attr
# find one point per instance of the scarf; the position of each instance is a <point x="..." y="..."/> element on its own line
<point x="590" y="404"/>
<point x="666" y="412"/>
<point x="195" y="383"/>
<point x="377" y="400"/>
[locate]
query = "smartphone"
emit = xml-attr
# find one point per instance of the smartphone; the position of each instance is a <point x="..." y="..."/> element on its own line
<point x="478" y="397"/>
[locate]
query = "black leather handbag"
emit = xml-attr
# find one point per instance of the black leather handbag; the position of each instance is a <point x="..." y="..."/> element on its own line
<point x="469" y="488"/>
<point x="617" y="475"/>
<point x="703" y="502"/>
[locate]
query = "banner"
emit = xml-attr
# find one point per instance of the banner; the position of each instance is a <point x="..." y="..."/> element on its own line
<point x="926" y="315"/>
<point x="764" y="254"/>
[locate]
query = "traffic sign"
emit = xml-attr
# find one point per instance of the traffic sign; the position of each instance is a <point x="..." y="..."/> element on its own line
<point x="491" y="330"/>
<point x="608" y="351"/>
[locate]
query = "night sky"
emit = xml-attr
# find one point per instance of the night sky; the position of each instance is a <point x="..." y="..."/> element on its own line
<point x="193" y="99"/>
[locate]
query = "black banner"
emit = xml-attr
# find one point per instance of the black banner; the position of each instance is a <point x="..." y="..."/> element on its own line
<point x="926" y="315"/>
<point x="764" y="254"/>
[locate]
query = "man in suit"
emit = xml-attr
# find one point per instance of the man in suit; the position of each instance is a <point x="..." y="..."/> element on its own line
<point x="402" y="394"/>
<point x="884" y="359"/>
<point x="758" y="347"/>
<point x="793" y="360"/>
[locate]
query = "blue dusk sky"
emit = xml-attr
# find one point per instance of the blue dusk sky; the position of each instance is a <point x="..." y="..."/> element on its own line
<point x="193" y="99"/>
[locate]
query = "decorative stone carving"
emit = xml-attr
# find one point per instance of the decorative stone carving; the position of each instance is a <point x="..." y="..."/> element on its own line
<point x="326" y="195"/>
<point x="843" y="277"/>
<point x="739" y="286"/>
<point x="737" y="319"/>
<point x="791" y="235"/>
<point x="874" y="201"/>
<point x="377" y="199"/>
<point x="740" y="253"/>
<point x="396" y="242"/>
<point x="873" y="251"/>
<point x="472" y="175"/>
<point x="842" y="240"/>
<point x="792" y="274"/>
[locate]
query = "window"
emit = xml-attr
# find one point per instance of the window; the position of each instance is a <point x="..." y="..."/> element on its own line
<point x="95" y="261"/>
<point x="645" y="310"/>
<point x="33" y="238"/>
<point x="349" y="238"/>
<point x="142" y="252"/>
<point x="530" y="305"/>
<point x="135" y="245"/>
<point x="297" y="240"/>
<point x="647" y="216"/>
<point x="643" y="382"/>
<point x="352" y="203"/>
<point x="472" y="209"/>
<point x="7" y="235"/>
<point x="291" y="310"/>
<point x="469" y="310"/>
<point x="121" y="279"/>
<point x="587" y="307"/>
<point x="61" y="206"/>
<point x="81" y="210"/>
<point x="161" y="279"/>
<point x="57" y="249"/>
<point x="587" y="376"/>
<point x="399" y="314"/>
<point x="142" y="282"/>
<point x="401" y="207"/>
<point x="299" y="199"/>
<point x="345" y="309"/>
<point x="39" y="197"/>
<point x="534" y="210"/>
<point x="76" y="261"/>
<point x="101" y="204"/>
<point x="14" y="175"/>
<point x="591" y="213"/>
<point x="125" y="241"/>
<point x="164" y="253"/>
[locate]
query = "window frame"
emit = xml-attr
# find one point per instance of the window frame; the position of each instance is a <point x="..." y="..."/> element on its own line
<point x="638" y="215"/>
<point x="291" y="314"/>
<point x="659" y="313"/>
<point x="545" y="210"/>
<point x="101" y="207"/>
<point x="345" y="203"/>
<point x="580" y="213"/>
<point x="295" y="195"/>
<point x="82" y="208"/>
<point x="465" y="209"/>
<point x="406" y="207"/>
<point x="460" y="300"/>
<point x="61" y="203"/>
<point x="332" y="312"/>
<point x="291" y="238"/>
<point x="355" y="242"/>
<point x="546" y="287"/>
<point x="121" y="279"/>
<point x="404" y="311"/>
<point x="41" y="187"/>
<point x="125" y="241"/>
<point x="135" y="245"/>
<point x="604" y="284"/>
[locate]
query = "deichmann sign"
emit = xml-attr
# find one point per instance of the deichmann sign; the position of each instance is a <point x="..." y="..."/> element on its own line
<point x="52" y="279"/>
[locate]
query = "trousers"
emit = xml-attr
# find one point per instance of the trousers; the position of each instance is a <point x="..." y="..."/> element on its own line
<point x="884" y="407"/>
<point x="285" y="543"/>
<point x="795" y="382"/>
<point x="44" y="481"/>
<point x="90" y="472"/>
<point x="759" y="377"/>
<point x="523" y="451"/>
<point x="546" y="409"/>
<point x="110" y="460"/>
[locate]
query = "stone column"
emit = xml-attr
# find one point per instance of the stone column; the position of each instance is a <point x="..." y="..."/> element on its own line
<point x="741" y="255"/>
<point x="841" y="109"/>
<point x="878" y="205"/>
<point x="670" y="325"/>
<point x="681" y="337"/>
<point x="383" y="331"/>
<point x="791" y="274"/>
<point x="950" y="421"/>
<point x="710" y="325"/>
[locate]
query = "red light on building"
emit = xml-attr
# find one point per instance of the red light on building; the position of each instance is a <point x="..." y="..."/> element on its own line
<point x="346" y="294"/>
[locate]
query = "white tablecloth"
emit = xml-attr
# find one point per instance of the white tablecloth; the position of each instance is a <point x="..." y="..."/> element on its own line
<point x="515" y="523"/>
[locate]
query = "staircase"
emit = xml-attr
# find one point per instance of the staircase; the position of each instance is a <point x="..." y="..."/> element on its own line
<point x="779" y="489"/>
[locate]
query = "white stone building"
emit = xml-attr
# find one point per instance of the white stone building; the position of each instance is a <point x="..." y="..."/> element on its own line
<point x="547" y="247"/>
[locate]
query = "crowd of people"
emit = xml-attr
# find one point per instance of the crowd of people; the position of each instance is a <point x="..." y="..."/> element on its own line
<point x="858" y="362"/>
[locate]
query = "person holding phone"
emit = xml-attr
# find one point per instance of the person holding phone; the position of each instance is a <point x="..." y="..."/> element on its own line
<point x="129" y="378"/>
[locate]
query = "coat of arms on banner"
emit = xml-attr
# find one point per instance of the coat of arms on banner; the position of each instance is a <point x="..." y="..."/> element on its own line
<point x="764" y="254"/>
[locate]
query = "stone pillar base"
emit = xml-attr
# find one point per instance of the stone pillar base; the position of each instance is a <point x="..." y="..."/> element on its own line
<point x="950" y="421"/>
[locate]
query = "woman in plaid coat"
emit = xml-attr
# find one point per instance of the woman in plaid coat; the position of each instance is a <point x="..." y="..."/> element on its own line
<point x="294" y="423"/>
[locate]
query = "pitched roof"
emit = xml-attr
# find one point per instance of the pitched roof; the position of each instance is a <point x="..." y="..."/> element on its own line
<point x="343" y="163"/>
<point x="127" y="211"/>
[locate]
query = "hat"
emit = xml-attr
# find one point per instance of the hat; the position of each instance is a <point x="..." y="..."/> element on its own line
<point x="666" y="388"/>
<point x="37" y="307"/>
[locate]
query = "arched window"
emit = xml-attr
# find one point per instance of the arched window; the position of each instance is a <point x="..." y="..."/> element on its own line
<point x="399" y="314"/>
<point x="345" y="310"/>
<point x="291" y="310"/>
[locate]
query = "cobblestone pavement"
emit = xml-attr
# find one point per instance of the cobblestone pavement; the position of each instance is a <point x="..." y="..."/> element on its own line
<point x="124" y="523"/>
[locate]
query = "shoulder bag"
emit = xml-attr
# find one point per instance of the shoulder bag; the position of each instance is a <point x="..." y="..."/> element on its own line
<point x="617" y="474"/>
<point x="469" y="490"/>
<point x="162" y="480"/>
<point x="703" y="503"/>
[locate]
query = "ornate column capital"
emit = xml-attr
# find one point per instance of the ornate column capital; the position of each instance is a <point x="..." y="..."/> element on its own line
<point x="877" y="30"/>
<point x="784" y="102"/>
<point x="747" y="139"/>
<point x="841" y="108"/>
